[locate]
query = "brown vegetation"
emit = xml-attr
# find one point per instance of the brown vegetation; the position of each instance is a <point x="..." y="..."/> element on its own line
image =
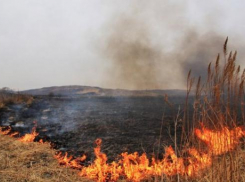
<point x="7" y="97"/>
<point x="34" y="162"/>
<point x="219" y="104"/>
<point x="217" y="117"/>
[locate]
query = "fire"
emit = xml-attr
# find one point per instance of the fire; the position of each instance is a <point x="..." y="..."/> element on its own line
<point x="220" y="142"/>
<point x="5" y="132"/>
<point x="29" y="137"/>
<point x="198" y="162"/>
<point x="69" y="161"/>
<point x="8" y="132"/>
<point x="135" y="167"/>
<point x="100" y="169"/>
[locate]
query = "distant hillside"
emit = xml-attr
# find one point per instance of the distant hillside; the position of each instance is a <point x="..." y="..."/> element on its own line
<point x="97" y="91"/>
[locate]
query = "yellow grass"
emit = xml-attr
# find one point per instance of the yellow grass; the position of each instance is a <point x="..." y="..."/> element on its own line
<point x="32" y="162"/>
<point x="8" y="99"/>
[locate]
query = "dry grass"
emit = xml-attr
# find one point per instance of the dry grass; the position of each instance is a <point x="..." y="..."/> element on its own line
<point x="219" y="103"/>
<point x="12" y="98"/>
<point x="230" y="167"/>
<point x="32" y="162"/>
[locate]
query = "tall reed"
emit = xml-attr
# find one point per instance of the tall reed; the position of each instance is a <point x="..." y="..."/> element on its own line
<point x="218" y="103"/>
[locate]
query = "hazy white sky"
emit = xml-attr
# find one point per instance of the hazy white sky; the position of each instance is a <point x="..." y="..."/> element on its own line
<point x="61" y="42"/>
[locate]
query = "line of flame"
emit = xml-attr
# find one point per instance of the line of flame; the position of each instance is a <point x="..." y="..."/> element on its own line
<point x="135" y="167"/>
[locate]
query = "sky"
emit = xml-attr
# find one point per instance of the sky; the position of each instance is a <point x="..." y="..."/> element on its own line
<point x="129" y="44"/>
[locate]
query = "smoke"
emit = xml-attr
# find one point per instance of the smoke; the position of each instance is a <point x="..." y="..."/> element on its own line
<point x="138" y="63"/>
<point x="196" y="52"/>
<point x="148" y="52"/>
<point x="134" y="59"/>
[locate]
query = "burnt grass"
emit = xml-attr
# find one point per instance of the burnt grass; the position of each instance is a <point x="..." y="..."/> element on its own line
<point x="125" y="124"/>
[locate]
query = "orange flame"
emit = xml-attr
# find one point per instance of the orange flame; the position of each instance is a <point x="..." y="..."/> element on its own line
<point x="69" y="161"/>
<point x="8" y="132"/>
<point x="198" y="162"/>
<point x="29" y="137"/>
<point x="220" y="142"/>
<point x="137" y="167"/>
<point x="99" y="169"/>
<point x="26" y="138"/>
<point x="5" y="132"/>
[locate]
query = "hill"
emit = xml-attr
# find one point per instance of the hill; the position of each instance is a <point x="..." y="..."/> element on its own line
<point x="97" y="91"/>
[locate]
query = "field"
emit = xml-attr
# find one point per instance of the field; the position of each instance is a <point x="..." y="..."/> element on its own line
<point x="125" y="124"/>
<point x="205" y="130"/>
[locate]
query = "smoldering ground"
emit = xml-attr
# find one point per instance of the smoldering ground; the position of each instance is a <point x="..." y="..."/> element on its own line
<point x="141" y="58"/>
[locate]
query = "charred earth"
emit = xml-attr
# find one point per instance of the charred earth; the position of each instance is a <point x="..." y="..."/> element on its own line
<point x="72" y="124"/>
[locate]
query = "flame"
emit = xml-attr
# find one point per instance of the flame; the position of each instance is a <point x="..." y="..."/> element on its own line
<point x="8" y="131"/>
<point x="14" y="134"/>
<point x="69" y="161"/>
<point x="29" y="137"/>
<point x="5" y="132"/>
<point x="137" y="167"/>
<point x="198" y="162"/>
<point x="99" y="169"/>
<point x="41" y="141"/>
<point x="220" y="142"/>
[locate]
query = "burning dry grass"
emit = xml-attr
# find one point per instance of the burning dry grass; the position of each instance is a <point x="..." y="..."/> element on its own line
<point x="211" y="147"/>
<point x="229" y="167"/>
<point x="22" y="160"/>
<point x="34" y="162"/>
<point x="207" y="165"/>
